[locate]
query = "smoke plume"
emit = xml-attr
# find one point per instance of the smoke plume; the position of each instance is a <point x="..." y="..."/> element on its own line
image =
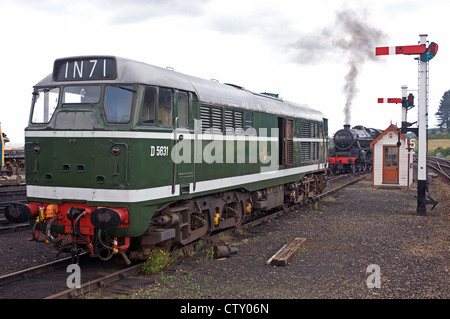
<point x="356" y="41"/>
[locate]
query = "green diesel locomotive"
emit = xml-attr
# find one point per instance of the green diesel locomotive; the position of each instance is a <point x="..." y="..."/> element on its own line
<point x="125" y="157"/>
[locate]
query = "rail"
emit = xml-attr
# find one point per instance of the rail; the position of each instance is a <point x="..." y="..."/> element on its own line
<point x="441" y="165"/>
<point x="114" y="275"/>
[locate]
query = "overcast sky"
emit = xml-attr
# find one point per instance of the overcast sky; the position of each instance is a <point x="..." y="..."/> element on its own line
<point x="302" y="50"/>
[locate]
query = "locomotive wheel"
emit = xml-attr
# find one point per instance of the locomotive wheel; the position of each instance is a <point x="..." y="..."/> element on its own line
<point x="333" y="168"/>
<point x="353" y="168"/>
<point x="9" y="170"/>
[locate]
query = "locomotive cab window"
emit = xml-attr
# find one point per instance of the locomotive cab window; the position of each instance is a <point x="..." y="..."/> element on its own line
<point x="118" y="103"/>
<point x="183" y="109"/>
<point x="165" y="102"/>
<point x="157" y="107"/>
<point x="45" y="102"/>
<point x="81" y="94"/>
<point x="148" y="113"/>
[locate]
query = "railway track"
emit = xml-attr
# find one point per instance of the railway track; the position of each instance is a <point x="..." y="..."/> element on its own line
<point x="51" y="278"/>
<point x="441" y="165"/>
<point x="10" y="195"/>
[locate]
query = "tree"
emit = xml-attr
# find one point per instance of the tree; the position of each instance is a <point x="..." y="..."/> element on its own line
<point x="443" y="113"/>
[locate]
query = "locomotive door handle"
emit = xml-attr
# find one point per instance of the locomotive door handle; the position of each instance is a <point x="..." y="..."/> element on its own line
<point x="126" y="164"/>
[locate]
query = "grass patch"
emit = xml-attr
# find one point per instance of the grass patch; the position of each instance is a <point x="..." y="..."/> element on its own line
<point x="159" y="260"/>
<point x="332" y="199"/>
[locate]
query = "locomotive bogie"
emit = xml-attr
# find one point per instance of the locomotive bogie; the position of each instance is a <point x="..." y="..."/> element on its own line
<point x="149" y="157"/>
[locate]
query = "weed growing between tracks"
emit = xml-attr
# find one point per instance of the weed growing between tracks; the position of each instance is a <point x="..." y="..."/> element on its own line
<point x="159" y="260"/>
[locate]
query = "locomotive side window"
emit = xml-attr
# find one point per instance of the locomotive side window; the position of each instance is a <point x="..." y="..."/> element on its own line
<point x="81" y="94"/>
<point x="165" y="103"/>
<point x="183" y="109"/>
<point x="249" y="119"/>
<point x="45" y="102"/>
<point x="148" y="113"/>
<point x="118" y="103"/>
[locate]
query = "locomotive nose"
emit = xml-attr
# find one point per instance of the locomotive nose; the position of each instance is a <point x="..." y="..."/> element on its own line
<point x="17" y="213"/>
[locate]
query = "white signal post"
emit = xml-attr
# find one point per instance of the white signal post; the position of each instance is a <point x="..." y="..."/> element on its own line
<point x="404" y="109"/>
<point x="425" y="54"/>
<point x="422" y="185"/>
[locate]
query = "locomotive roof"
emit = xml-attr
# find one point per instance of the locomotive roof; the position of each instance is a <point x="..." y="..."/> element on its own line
<point x="209" y="92"/>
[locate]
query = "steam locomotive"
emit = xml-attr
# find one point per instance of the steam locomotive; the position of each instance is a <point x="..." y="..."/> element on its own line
<point x="350" y="151"/>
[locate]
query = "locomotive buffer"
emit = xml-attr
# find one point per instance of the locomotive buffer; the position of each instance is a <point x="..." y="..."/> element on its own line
<point x="425" y="55"/>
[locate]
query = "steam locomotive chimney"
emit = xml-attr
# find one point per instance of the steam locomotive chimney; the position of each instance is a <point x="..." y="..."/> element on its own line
<point x="346" y="126"/>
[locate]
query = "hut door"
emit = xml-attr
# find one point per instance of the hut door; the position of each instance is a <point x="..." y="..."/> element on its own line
<point x="390" y="164"/>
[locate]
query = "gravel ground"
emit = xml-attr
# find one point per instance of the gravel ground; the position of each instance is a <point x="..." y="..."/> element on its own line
<point x="357" y="227"/>
<point x="17" y="252"/>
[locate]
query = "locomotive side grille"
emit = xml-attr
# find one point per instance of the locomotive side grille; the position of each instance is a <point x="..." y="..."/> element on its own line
<point x="238" y="123"/>
<point x="315" y="130"/>
<point x="315" y="151"/>
<point x="211" y="117"/>
<point x="305" y="152"/>
<point x="234" y="122"/>
<point x="216" y="118"/>
<point x="289" y="135"/>
<point x="229" y="122"/>
<point x="205" y="116"/>
<point x="290" y="152"/>
<point x="305" y="130"/>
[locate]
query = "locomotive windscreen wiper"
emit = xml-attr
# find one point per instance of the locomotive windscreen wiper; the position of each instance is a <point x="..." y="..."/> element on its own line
<point x="126" y="89"/>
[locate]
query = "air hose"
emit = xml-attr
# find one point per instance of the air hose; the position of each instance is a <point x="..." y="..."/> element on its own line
<point x="109" y="249"/>
<point x="33" y="231"/>
<point x="49" y="236"/>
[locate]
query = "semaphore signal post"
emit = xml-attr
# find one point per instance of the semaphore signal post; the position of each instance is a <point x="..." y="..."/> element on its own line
<point x="407" y="102"/>
<point x="425" y="55"/>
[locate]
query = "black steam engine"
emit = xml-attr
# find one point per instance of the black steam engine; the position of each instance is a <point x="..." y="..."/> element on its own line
<point x="351" y="150"/>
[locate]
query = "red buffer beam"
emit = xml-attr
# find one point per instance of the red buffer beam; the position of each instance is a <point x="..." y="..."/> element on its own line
<point x="389" y="100"/>
<point x="406" y="49"/>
